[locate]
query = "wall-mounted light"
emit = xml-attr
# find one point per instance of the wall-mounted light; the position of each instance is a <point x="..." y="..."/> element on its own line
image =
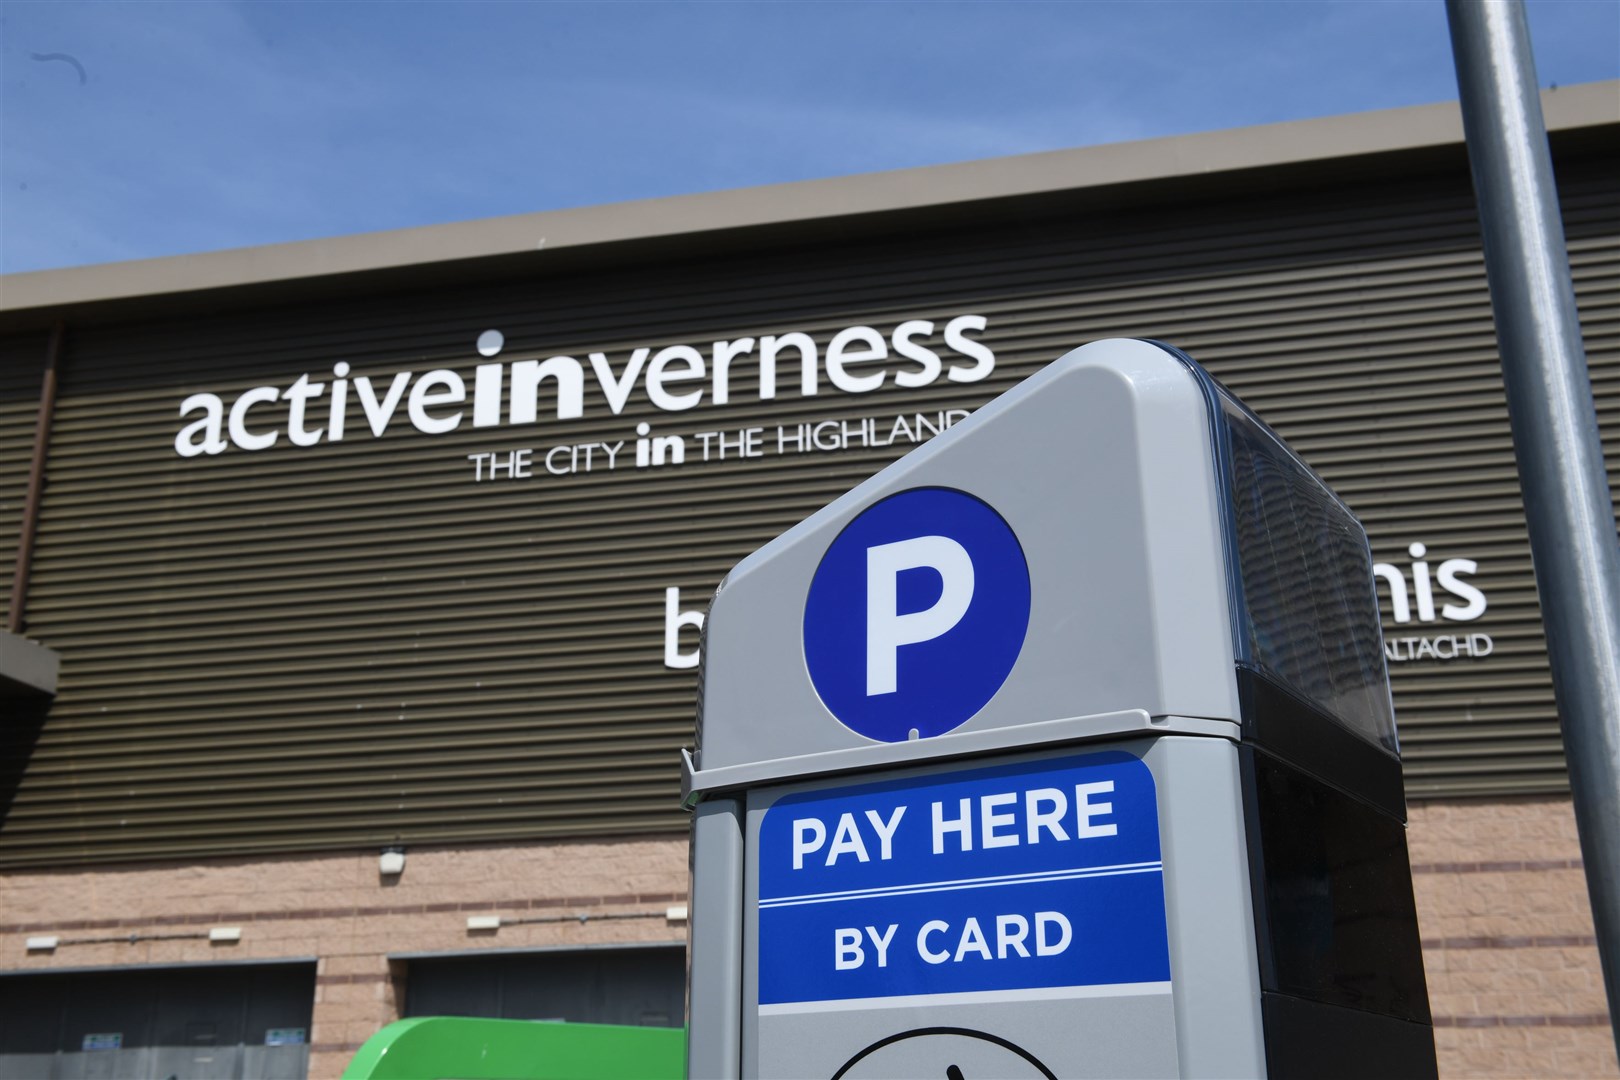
<point x="225" y="933"/>
<point x="391" y="862"/>
<point x="45" y="943"/>
<point x="483" y="922"/>
<point x="675" y="913"/>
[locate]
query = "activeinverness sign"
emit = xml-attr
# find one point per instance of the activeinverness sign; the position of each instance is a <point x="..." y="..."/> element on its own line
<point x="313" y="409"/>
<point x="1016" y="877"/>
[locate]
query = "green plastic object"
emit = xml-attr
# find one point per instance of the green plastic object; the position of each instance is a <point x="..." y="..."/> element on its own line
<point x="473" y="1048"/>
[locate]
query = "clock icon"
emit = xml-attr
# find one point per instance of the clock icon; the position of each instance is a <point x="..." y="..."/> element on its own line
<point x="944" y="1053"/>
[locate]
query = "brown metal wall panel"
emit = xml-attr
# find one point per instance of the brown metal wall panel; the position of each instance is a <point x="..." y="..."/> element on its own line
<point x="354" y="644"/>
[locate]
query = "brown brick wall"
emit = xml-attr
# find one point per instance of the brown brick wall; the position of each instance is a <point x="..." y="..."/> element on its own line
<point x="339" y="909"/>
<point x="1507" y="933"/>
<point x="1507" y="940"/>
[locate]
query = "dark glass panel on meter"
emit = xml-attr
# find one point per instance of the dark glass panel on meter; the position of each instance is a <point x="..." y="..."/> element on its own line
<point x="1333" y="887"/>
<point x="1308" y="613"/>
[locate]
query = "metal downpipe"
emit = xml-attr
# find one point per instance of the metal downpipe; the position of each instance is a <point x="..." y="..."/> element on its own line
<point x="16" y="617"/>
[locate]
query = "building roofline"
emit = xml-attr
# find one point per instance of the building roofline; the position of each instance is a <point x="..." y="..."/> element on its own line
<point x="1204" y="154"/>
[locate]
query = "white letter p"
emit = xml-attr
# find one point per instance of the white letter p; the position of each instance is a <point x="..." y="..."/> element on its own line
<point x="886" y="628"/>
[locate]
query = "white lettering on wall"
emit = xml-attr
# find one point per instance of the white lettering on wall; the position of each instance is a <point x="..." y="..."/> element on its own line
<point x="674" y="620"/>
<point x="857" y="360"/>
<point x="1448" y="575"/>
<point x="1412" y="595"/>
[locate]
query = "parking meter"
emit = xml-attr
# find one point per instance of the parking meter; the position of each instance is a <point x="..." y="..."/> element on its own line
<point x="1061" y="747"/>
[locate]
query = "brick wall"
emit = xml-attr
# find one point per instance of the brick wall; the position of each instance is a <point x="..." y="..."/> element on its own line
<point x="1508" y="947"/>
<point x="339" y="909"/>
<point x="1507" y="933"/>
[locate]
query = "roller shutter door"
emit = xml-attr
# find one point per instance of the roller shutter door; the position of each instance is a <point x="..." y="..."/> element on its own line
<point x="199" y="1023"/>
<point x="644" y="987"/>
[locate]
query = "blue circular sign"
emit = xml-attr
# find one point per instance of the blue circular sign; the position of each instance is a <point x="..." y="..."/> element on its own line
<point x="916" y="614"/>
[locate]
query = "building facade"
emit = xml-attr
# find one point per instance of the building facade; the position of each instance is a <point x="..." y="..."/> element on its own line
<point x="359" y="582"/>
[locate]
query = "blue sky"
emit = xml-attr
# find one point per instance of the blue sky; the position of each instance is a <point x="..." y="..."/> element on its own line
<point x="180" y="127"/>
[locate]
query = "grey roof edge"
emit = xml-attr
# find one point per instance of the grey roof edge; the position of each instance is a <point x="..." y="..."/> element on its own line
<point x="1202" y="154"/>
<point x="27" y="666"/>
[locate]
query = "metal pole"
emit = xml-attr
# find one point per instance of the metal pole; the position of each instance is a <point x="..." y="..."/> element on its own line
<point x="1555" y="432"/>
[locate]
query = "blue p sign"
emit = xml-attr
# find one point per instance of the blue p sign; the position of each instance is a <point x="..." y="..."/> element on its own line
<point x="916" y="614"/>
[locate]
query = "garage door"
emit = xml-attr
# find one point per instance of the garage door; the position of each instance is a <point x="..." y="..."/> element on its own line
<point x="248" y="1022"/>
<point x="641" y="986"/>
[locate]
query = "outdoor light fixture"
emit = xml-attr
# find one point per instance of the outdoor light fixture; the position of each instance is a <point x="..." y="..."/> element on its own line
<point x="483" y="922"/>
<point x="391" y="862"/>
<point x="42" y="944"/>
<point x="675" y="913"/>
<point x="225" y="933"/>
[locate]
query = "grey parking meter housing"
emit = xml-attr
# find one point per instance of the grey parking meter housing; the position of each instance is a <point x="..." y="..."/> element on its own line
<point x="1112" y="599"/>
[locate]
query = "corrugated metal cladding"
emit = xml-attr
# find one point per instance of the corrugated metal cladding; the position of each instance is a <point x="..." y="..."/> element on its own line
<point x="356" y="643"/>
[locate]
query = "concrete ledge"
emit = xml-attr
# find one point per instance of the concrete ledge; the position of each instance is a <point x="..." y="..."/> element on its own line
<point x="27" y="667"/>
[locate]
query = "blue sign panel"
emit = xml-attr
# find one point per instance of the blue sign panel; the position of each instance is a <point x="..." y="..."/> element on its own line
<point x="1031" y="875"/>
<point x="916" y="614"/>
